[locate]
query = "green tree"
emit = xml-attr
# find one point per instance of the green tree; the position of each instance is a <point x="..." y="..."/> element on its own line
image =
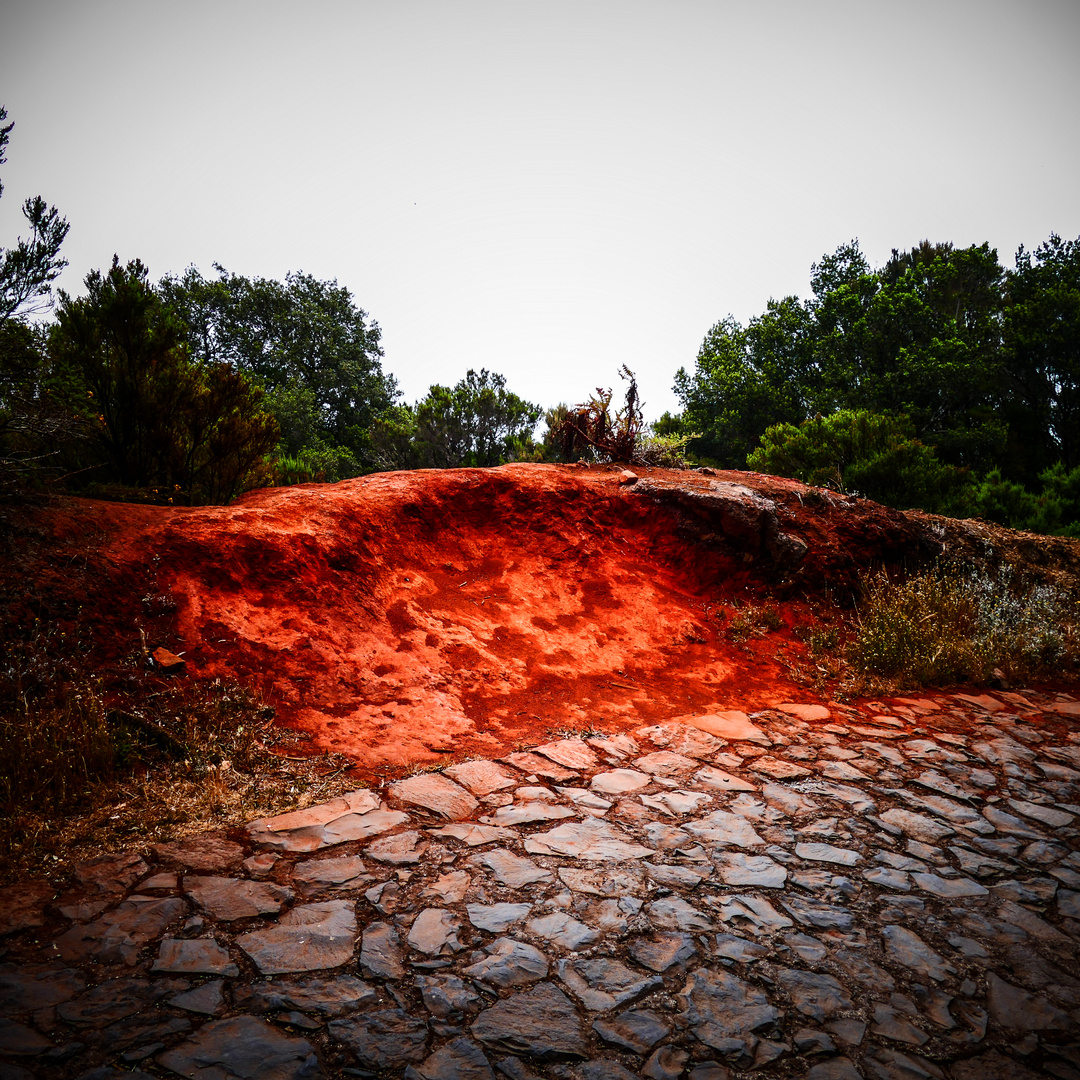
<point x="476" y="423"/>
<point x="1041" y="333"/>
<point x="28" y="269"/>
<point x="859" y="451"/>
<point x="747" y="378"/>
<point x="159" y="418"/>
<point x="306" y="343"/>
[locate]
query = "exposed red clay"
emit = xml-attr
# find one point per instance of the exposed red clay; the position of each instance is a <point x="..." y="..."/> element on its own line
<point x="403" y="616"/>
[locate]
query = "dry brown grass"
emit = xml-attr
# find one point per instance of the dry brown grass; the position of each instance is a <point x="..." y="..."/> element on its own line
<point x="84" y="772"/>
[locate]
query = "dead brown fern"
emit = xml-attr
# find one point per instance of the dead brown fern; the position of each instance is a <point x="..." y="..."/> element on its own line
<point x="591" y="425"/>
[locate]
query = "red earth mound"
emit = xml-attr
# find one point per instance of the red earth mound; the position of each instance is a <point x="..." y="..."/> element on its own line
<point x="402" y="616"/>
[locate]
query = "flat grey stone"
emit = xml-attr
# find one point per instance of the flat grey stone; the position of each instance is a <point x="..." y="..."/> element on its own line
<point x="815" y="995"/>
<point x="119" y="935"/>
<point x="242" y="1046"/>
<point x="674" y="913"/>
<point x="535" y="764"/>
<point x="637" y="1030"/>
<point x="918" y="826"/>
<point x="495" y="918"/>
<point x="731" y="724"/>
<point x="512" y="870"/>
<point x="666" y="763"/>
<point x="481" y="777"/>
<point x="837" y="1068"/>
<point x="718" y="780"/>
<point x="194" y="956"/>
<point x="779" y="768"/>
<point x="109" y="876"/>
<point x="788" y="802"/>
<point x="718" y="1006"/>
<point x="949" y="888"/>
<point x="206" y="999"/>
<point x="602" y="984"/>
<point x="541" y="1023"/>
<point x="754" y="913"/>
<point x="434" y="932"/>
<point x="381" y="952"/>
<point x="459" y="1059"/>
<point x="843" y="770"/>
<point x="447" y="997"/>
<point x="888" y="878"/>
<point x="436" y="793"/>
<point x="616" y="747"/>
<point x="383" y="1038"/>
<point x="660" y="951"/>
<point x="680" y="877"/>
<point x="112" y="1000"/>
<point x="591" y="839"/>
<point x="1068" y="903"/>
<point x="739" y="949"/>
<point x="884" y="1063"/>
<point x="524" y="813"/>
<point x="619" y="781"/>
<point x="473" y="835"/>
<point x="401" y="849"/>
<point x="509" y="963"/>
<point x="208" y="853"/>
<point x="330" y="996"/>
<point x="1018" y="1010"/>
<point x="811" y="912"/>
<point x="827" y="853"/>
<point x="603" y="880"/>
<point x="328" y="823"/>
<point x="609" y="916"/>
<point x="586" y="800"/>
<point x="721" y="827"/>
<point x="677" y="803"/>
<point x="572" y="753"/>
<point x="27" y="989"/>
<point x="338" y="870"/>
<point x="908" y="949"/>
<point x="18" y="1040"/>
<point x="448" y="888"/>
<point x="307" y="938"/>
<point x="22" y="906"/>
<point x="1010" y="824"/>
<point x="563" y="930"/>
<point x="890" y="1023"/>
<point x="229" y="899"/>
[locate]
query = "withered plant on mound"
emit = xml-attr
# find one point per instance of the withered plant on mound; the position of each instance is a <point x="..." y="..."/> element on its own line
<point x="590" y="425"/>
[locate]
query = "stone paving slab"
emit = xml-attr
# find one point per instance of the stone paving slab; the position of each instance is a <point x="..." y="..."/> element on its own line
<point x="885" y="891"/>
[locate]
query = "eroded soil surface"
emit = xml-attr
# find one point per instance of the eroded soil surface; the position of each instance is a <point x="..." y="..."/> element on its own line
<point x="401" y="617"/>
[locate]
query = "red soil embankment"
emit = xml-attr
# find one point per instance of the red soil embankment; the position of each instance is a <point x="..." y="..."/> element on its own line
<point x="402" y="616"/>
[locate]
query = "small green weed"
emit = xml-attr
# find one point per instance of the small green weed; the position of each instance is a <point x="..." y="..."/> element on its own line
<point x="752" y="620"/>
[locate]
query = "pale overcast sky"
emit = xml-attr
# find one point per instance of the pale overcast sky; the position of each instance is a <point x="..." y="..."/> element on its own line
<point x="545" y="189"/>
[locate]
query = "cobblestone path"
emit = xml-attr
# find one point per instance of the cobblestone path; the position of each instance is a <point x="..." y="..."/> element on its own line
<point x="891" y="891"/>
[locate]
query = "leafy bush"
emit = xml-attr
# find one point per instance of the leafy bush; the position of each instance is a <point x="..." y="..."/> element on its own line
<point x="663" y="451"/>
<point x="859" y="451"/>
<point x="949" y="626"/>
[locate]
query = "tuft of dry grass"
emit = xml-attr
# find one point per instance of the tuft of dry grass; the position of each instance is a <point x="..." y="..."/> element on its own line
<point x="85" y="771"/>
<point x="951" y="625"/>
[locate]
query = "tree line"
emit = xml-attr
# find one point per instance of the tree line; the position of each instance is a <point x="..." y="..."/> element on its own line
<point x="941" y="380"/>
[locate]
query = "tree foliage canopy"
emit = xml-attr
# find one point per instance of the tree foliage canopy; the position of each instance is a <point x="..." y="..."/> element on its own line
<point x="28" y="270"/>
<point x="315" y="353"/>
<point x="160" y="418"/>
